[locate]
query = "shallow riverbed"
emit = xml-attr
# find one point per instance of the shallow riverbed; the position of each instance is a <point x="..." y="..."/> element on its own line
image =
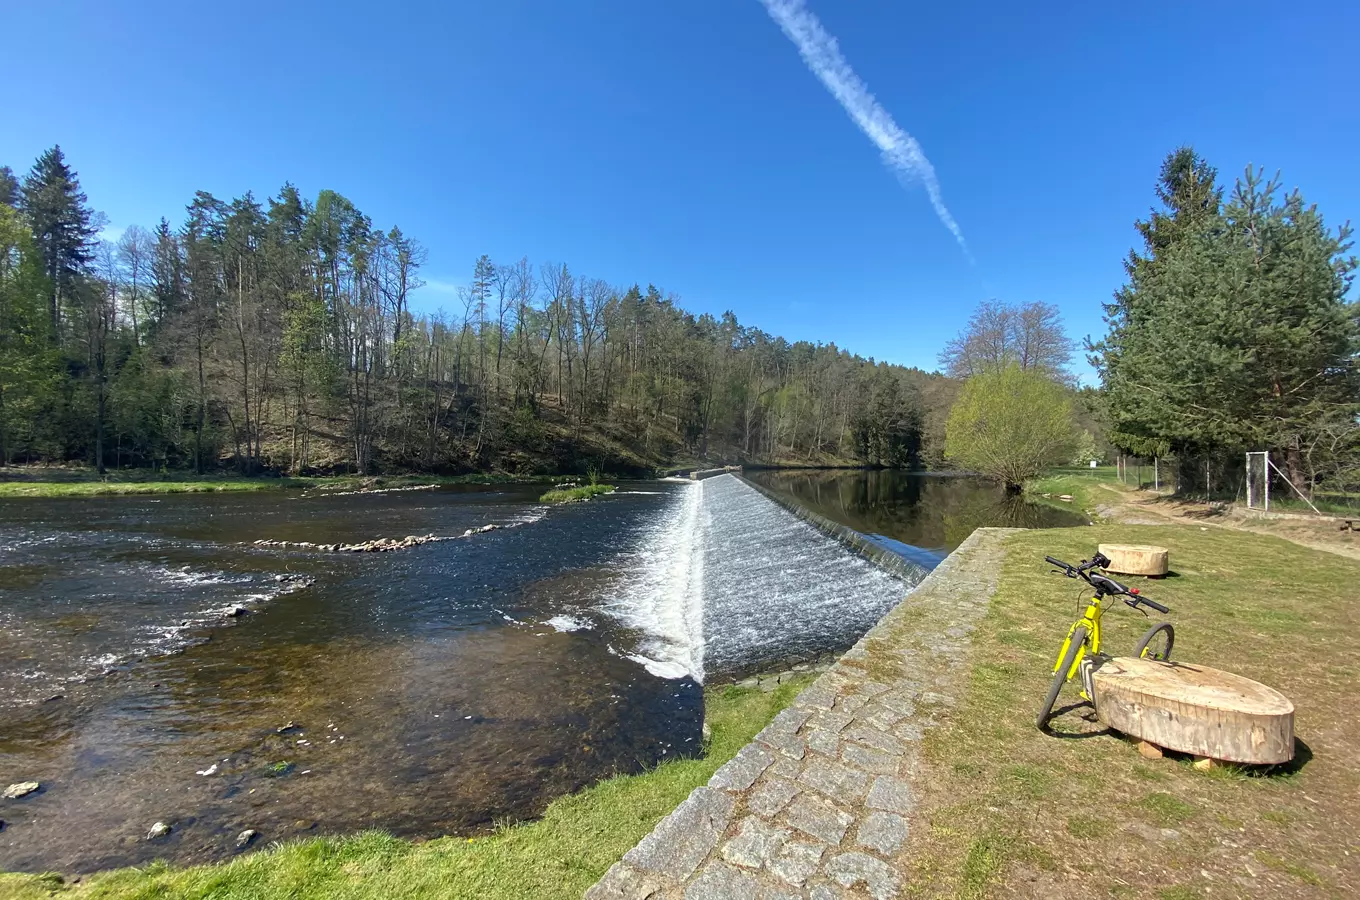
<point x="436" y="689"/>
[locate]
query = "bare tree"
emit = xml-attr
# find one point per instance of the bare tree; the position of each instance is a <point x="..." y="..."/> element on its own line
<point x="999" y="334"/>
<point x="136" y="251"/>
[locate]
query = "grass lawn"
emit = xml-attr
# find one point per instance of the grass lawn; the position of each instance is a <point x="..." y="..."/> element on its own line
<point x="78" y="483"/>
<point x="1079" y="484"/>
<point x="1007" y="811"/>
<point x="571" y="495"/>
<point x="560" y="855"/>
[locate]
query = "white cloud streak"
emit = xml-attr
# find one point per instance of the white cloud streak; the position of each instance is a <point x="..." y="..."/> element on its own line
<point x="441" y="286"/>
<point x="901" y="153"/>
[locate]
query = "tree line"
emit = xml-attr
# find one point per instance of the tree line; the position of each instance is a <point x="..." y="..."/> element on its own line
<point x="280" y="335"/>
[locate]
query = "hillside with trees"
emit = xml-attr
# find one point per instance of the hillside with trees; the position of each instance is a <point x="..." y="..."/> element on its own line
<point x="281" y="336"/>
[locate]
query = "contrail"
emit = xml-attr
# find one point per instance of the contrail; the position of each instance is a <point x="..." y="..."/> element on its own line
<point x="901" y="153"/>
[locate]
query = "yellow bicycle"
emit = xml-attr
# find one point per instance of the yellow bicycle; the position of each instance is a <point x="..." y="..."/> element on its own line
<point x="1081" y="650"/>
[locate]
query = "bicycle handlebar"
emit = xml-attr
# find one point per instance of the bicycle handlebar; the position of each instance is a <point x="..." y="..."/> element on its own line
<point x="1104" y="583"/>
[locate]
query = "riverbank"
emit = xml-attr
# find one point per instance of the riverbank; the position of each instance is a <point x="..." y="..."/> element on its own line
<point x="1020" y="813"/>
<point x="558" y="856"/>
<point x="85" y="483"/>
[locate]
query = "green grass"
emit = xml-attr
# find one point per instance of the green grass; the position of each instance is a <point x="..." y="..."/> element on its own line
<point x="571" y="495"/>
<point x="98" y="488"/>
<point x="558" y="856"/>
<point x="61" y="483"/>
<point x="1077" y="483"/>
<point x="1003" y="804"/>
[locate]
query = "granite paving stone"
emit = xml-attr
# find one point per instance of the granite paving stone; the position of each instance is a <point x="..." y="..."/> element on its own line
<point x="870" y="760"/>
<point x="742" y="770"/>
<point x="841" y="783"/>
<point x="796" y="861"/>
<point x="682" y="839"/>
<point x="771" y="796"/>
<point x="891" y="794"/>
<point x="882" y="831"/>
<point x="855" y="868"/>
<point x="754" y="844"/>
<point x="819" y="818"/>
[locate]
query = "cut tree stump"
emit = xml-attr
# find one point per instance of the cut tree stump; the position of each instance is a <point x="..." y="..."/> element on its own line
<point x="1195" y="709"/>
<point x="1137" y="559"/>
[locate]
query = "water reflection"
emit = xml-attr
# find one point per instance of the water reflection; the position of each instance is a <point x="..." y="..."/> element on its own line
<point x="933" y="512"/>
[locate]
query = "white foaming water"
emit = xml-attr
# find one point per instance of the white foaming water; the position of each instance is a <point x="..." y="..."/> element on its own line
<point x="662" y="596"/>
<point x="568" y="623"/>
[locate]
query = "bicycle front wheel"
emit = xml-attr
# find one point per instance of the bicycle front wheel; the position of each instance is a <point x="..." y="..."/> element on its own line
<point x="1079" y="636"/>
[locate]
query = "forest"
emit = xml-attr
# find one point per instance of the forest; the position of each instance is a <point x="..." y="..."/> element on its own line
<point x="280" y="336"/>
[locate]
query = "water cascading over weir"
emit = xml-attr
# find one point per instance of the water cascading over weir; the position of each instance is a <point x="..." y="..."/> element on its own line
<point x="729" y="581"/>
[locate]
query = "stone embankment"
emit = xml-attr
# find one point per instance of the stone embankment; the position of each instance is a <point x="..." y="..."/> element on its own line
<point x="819" y="805"/>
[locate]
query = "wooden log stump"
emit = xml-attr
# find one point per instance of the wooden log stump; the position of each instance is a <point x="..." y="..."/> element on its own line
<point x="1195" y="709"/>
<point x="1137" y="559"/>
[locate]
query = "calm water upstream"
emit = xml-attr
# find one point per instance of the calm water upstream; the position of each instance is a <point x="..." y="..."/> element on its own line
<point x="425" y="691"/>
<point x="927" y="512"/>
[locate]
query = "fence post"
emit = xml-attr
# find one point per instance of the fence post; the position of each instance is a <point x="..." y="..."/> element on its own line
<point x="1156" y="476"/>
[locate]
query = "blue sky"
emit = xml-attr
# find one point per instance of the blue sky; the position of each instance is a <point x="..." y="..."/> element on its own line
<point x="688" y="145"/>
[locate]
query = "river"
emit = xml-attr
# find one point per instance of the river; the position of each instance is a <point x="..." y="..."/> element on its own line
<point x="427" y="691"/>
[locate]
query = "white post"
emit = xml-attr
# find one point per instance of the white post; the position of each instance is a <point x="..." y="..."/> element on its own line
<point x="1251" y="498"/>
<point x="1156" y="476"/>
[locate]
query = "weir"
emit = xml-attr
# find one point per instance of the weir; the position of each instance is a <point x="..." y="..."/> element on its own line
<point x="730" y="581"/>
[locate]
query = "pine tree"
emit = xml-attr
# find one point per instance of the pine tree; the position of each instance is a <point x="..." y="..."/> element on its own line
<point x="1233" y="332"/>
<point x="9" y="187"/>
<point x="60" y="218"/>
<point x="27" y="363"/>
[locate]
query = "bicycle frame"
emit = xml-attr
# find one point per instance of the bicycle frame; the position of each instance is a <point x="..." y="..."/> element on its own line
<point x="1091" y="619"/>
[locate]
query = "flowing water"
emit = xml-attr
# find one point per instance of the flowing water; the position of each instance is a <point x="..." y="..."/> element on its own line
<point x="427" y="691"/>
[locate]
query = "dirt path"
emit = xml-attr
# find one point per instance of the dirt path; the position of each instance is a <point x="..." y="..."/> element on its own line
<point x="1131" y="507"/>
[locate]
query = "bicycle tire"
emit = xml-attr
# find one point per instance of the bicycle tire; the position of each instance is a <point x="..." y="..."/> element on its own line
<point x="1141" y="650"/>
<point x="1079" y="637"/>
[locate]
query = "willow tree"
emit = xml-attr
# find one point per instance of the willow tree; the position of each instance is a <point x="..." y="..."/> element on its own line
<point x="1011" y="425"/>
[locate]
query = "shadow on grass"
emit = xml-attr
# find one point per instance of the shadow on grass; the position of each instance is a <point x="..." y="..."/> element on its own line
<point x="1087" y="716"/>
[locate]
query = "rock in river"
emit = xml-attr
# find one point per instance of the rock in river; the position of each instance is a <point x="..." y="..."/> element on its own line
<point x="159" y="830"/>
<point x="244" y="838"/>
<point x="22" y="789"/>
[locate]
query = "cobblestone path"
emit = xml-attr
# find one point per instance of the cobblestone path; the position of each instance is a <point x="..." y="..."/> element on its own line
<point x="820" y="803"/>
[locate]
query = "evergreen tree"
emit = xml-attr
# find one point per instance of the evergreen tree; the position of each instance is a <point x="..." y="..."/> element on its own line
<point x="1233" y="332"/>
<point x="59" y="215"/>
<point x="27" y="363"/>
<point x="9" y="187"/>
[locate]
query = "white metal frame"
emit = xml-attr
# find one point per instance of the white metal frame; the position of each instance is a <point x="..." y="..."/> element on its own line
<point x="1252" y="499"/>
<point x="1269" y="464"/>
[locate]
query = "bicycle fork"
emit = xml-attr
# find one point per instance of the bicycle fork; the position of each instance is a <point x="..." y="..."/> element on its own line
<point x="1084" y="662"/>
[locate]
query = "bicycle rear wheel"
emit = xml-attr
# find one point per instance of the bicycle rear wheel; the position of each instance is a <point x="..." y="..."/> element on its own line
<point x="1079" y="636"/>
<point x="1157" y="643"/>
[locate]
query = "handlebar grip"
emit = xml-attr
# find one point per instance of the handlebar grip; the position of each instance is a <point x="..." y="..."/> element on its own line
<point x="1155" y="605"/>
<point x="1056" y="562"/>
